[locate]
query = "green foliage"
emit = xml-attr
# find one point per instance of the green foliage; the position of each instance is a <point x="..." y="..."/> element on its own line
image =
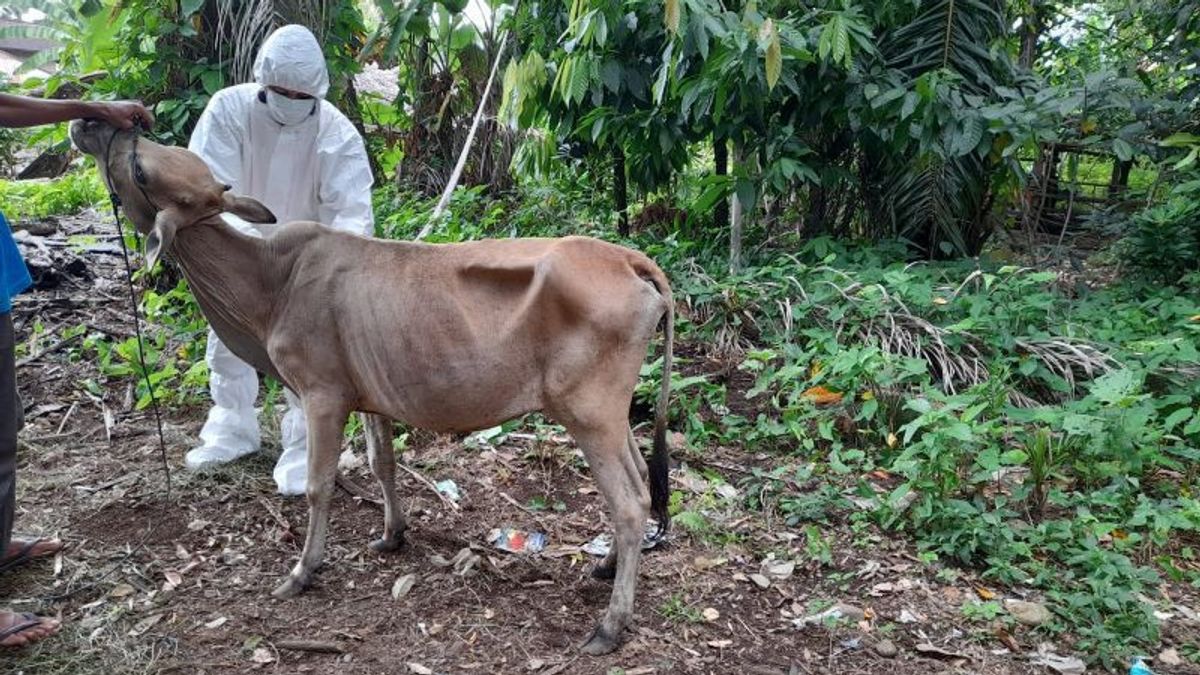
<point x="175" y="334"/>
<point x="1027" y="433"/>
<point x="1162" y="243"/>
<point x="70" y="194"/>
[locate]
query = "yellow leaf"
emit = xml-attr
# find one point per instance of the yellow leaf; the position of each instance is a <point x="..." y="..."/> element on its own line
<point x="1195" y="318"/>
<point x="940" y="301"/>
<point x="868" y="396"/>
<point x="774" y="57"/>
<point x="672" y="15"/>
<point x="1088" y="126"/>
<point x="1120" y="535"/>
<point x="892" y="440"/>
<point x="822" y="396"/>
<point x="985" y="593"/>
<point x="815" y="369"/>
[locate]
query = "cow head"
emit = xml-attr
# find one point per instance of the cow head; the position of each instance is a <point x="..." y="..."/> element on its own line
<point x="162" y="189"/>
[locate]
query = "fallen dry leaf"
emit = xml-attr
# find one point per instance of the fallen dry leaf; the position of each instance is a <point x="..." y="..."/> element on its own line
<point x="217" y="622"/>
<point x="937" y="652"/>
<point x="403" y="585"/>
<point x="1007" y="640"/>
<point x="719" y="644"/>
<point x="711" y="614"/>
<point x="985" y="593"/>
<point x="821" y="395"/>
<point x="121" y="591"/>
<point x="145" y="625"/>
<point x="418" y="668"/>
<point x="262" y="655"/>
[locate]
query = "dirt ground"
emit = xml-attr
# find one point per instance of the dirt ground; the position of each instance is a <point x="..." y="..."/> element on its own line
<point x="180" y="583"/>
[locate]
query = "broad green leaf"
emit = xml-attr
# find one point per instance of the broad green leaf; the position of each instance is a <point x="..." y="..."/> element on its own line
<point x="909" y="105"/>
<point x="610" y="74"/>
<point x="1123" y="149"/>
<point x="1180" y="140"/>
<point x="212" y="81"/>
<point x="1176" y="417"/>
<point x="1188" y="160"/>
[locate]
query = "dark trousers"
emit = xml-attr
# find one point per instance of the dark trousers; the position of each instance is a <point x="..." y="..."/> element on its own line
<point x="11" y="419"/>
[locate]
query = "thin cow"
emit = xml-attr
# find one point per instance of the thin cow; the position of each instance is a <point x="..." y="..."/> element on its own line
<point x="452" y="337"/>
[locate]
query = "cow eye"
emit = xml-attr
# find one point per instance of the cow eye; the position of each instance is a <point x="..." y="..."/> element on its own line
<point x="138" y="174"/>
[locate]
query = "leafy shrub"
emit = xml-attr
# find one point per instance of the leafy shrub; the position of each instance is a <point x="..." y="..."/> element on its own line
<point x="1162" y="243"/>
<point x="67" y="195"/>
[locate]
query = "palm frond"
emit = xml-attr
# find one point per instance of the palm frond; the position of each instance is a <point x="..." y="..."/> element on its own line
<point x="954" y="35"/>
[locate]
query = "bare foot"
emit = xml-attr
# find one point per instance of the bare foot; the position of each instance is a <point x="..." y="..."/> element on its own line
<point x="18" y="630"/>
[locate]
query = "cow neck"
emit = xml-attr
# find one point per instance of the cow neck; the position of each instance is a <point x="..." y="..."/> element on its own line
<point x="234" y="276"/>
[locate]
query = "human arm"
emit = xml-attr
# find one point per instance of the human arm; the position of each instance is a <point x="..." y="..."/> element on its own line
<point x="344" y="194"/>
<point x="24" y="111"/>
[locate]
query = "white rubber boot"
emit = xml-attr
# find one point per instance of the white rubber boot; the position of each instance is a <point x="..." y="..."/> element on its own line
<point x="291" y="471"/>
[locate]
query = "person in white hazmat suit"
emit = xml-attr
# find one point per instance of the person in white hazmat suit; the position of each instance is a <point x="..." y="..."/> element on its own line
<point x="279" y="141"/>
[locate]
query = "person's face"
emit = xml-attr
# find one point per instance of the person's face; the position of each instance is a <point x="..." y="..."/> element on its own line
<point x="294" y="95"/>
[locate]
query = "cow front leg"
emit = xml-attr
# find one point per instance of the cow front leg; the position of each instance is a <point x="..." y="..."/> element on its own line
<point x="383" y="464"/>
<point x="326" y="421"/>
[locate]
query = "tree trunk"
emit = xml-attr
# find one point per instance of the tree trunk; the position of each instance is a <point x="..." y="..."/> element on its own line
<point x="620" y="191"/>
<point x="735" y="218"/>
<point x="1031" y="30"/>
<point x="720" y="168"/>
<point x="1120" y="178"/>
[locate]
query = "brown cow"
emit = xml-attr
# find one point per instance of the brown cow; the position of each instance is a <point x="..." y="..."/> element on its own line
<point x="451" y="337"/>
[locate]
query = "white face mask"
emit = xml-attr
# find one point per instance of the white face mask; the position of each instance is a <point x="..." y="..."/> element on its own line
<point x="289" y="110"/>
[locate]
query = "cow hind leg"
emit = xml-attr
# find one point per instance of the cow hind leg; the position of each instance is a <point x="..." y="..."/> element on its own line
<point x="383" y="465"/>
<point x="607" y="569"/>
<point x="326" y="421"/>
<point x="607" y="451"/>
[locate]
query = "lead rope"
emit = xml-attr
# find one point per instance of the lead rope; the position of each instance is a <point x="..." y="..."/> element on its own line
<point x="115" y="201"/>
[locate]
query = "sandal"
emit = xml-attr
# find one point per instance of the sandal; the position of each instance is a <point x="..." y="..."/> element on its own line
<point x="26" y="622"/>
<point x="26" y="553"/>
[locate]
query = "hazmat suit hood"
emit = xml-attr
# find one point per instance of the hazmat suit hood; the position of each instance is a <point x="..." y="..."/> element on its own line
<point x="291" y="58"/>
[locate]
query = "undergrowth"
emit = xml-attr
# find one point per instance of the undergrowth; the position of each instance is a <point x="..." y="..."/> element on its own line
<point x="1049" y="441"/>
<point x="39" y="199"/>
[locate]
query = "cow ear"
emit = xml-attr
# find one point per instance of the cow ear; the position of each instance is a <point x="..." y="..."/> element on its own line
<point x="249" y="209"/>
<point x="158" y="242"/>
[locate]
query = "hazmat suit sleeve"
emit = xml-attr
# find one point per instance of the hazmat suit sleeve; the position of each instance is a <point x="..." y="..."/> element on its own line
<point x="345" y="187"/>
<point x="217" y="140"/>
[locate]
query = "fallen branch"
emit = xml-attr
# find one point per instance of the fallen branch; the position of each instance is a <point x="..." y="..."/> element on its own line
<point x="532" y="514"/>
<point x="275" y="513"/>
<point x="346" y="483"/>
<point x="48" y="350"/>
<point x="429" y="484"/>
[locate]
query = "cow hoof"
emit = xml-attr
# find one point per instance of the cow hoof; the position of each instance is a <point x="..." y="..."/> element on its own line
<point x="604" y="572"/>
<point x="600" y="642"/>
<point x="388" y="544"/>
<point x="290" y="588"/>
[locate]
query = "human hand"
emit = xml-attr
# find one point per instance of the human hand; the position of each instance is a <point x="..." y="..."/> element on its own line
<point x="124" y="114"/>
